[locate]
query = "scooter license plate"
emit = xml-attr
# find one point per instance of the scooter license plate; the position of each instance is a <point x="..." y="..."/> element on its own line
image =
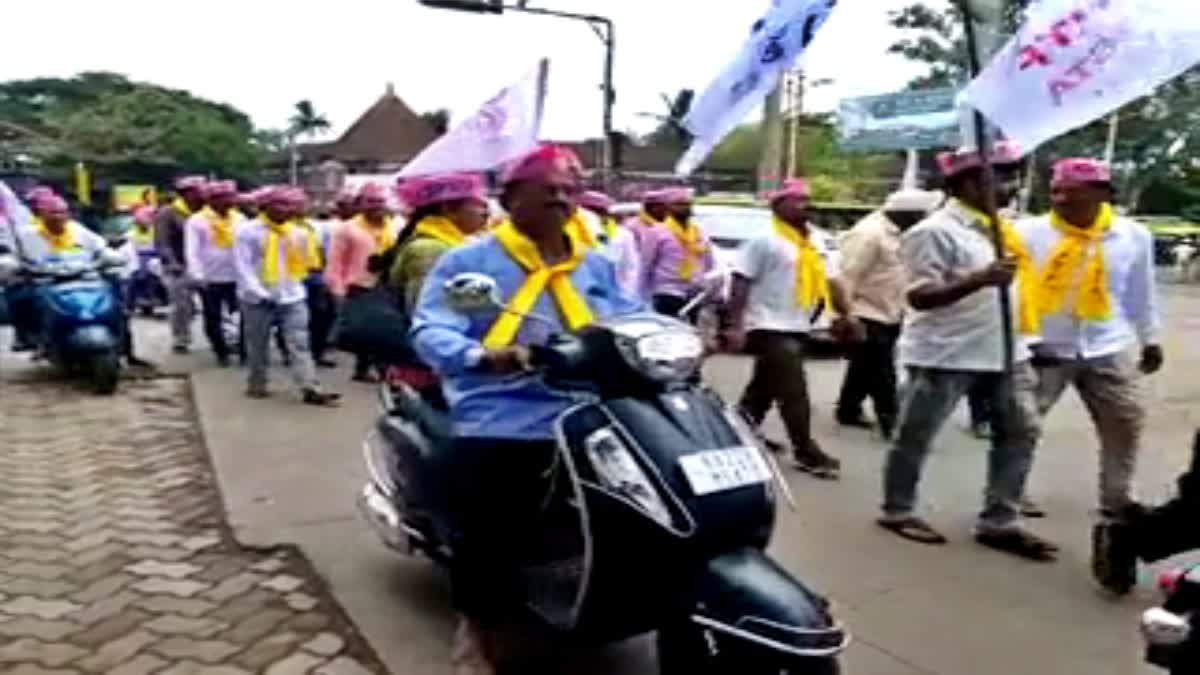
<point x="728" y="469"/>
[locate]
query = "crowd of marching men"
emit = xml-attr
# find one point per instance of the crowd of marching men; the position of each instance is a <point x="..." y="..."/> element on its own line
<point x="915" y="283"/>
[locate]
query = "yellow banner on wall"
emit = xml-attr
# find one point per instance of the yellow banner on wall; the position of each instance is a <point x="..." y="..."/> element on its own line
<point x="130" y="197"/>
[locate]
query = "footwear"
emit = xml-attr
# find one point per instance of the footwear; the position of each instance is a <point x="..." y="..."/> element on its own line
<point x="181" y="349"/>
<point x="1114" y="558"/>
<point x="469" y="655"/>
<point x="321" y="398"/>
<point x="1019" y="542"/>
<point x="856" y="421"/>
<point x="366" y="378"/>
<point x="776" y="447"/>
<point x="135" y="362"/>
<point x="222" y="360"/>
<point x="326" y="363"/>
<point x="982" y="430"/>
<point x="819" y="465"/>
<point x="254" y="392"/>
<point x="1030" y="508"/>
<point x="912" y="528"/>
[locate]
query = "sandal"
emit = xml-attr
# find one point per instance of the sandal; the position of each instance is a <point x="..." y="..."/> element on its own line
<point x="912" y="528"/>
<point x="825" y="468"/>
<point x="1019" y="543"/>
<point x="1031" y="509"/>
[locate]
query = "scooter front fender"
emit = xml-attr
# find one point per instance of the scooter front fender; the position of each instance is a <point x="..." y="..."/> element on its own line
<point x="91" y="339"/>
<point x="744" y="597"/>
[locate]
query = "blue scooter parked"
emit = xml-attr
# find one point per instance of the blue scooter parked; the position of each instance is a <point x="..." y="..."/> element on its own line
<point x="79" y="316"/>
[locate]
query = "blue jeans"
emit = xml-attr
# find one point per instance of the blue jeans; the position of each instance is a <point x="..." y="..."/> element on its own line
<point x="929" y="400"/>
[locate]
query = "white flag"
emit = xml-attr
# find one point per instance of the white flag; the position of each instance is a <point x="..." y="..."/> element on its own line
<point x="504" y="128"/>
<point x="777" y="41"/>
<point x="1074" y="61"/>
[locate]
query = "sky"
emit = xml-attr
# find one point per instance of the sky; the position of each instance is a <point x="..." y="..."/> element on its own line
<point x="262" y="56"/>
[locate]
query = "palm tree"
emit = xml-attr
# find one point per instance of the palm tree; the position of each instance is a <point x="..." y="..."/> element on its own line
<point x="306" y="121"/>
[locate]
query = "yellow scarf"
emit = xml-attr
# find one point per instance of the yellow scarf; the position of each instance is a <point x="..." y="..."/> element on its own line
<point x="222" y="227"/>
<point x="441" y="229"/>
<point x="59" y="243"/>
<point x="181" y="207"/>
<point x="1029" y="295"/>
<point x="610" y="228"/>
<point x="295" y="259"/>
<point x="694" y="247"/>
<point x="578" y="228"/>
<point x="315" y="257"/>
<point x="143" y="236"/>
<point x="812" y="285"/>
<point x="383" y="234"/>
<point x="648" y="219"/>
<point x="571" y="305"/>
<point x="1078" y="247"/>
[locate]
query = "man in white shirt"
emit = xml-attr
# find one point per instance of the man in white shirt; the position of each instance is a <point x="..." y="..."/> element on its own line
<point x="1100" y="302"/>
<point x="873" y="275"/>
<point x="208" y="253"/>
<point x="272" y="257"/>
<point x="779" y="280"/>
<point x="953" y="340"/>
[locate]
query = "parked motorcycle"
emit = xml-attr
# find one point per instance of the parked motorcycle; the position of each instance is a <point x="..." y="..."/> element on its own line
<point x="80" y="316"/>
<point x="659" y="512"/>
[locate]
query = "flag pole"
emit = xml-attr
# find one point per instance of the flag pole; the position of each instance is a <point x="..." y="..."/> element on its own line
<point x="983" y="146"/>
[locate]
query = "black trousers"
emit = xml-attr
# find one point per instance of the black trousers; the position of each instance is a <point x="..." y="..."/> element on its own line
<point x="871" y="373"/>
<point x="779" y="379"/>
<point x="671" y="305"/>
<point x="215" y="299"/>
<point x="321" y="315"/>
<point x="980" y="404"/>
<point x="496" y="489"/>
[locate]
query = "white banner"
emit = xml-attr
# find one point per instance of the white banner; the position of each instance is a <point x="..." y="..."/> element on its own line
<point x="504" y="128"/>
<point x="1074" y="61"/>
<point x="775" y="44"/>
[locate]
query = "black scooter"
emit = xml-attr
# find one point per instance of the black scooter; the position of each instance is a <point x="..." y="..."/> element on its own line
<point x="663" y="505"/>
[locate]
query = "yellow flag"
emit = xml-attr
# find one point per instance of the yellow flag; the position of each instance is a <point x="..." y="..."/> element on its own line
<point x="83" y="184"/>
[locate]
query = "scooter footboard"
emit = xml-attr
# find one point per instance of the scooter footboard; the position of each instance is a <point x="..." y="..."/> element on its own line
<point x="744" y="598"/>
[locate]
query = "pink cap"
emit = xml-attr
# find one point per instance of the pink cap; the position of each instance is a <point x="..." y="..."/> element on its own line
<point x="220" y="188"/>
<point x="596" y="201"/>
<point x="273" y="194"/>
<point x="295" y="197"/>
<point x="1080" y="170"/>
<point x="676" y="195"/>
<point x="419" y="192"/>
<point x="144" y="215"/>
<point x="372" y="195"/>
<point x="653" y="197"/>
<point x="954" y="163"/>
<point x="48" y="202"/>
<point x="185" y="183"/>
<point x="542" y="161"/>
<point x="37" y="193"/>
<point x="792" y="187"/>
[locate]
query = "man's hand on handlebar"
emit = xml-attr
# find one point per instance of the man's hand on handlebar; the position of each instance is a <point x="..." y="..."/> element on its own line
<point x="506" y="360"/>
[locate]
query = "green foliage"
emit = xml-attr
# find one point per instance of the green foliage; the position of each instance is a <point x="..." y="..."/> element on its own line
<point x="123" y="127"/>
<point x="306" y="121"/>
<point x="438" y="120"/>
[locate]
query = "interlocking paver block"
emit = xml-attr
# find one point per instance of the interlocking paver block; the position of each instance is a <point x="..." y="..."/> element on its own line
<point x="296" y="664"/>
<point x="112" y="556"/>
<point x="208" y="651"/>
<point x="154" y="568"/>
<point x="52" y="655"/>
<point x="325" y="644"/>
<point x="46" y="609"/>
<point x="284" y="583"/>
<point x="181" y="588"/>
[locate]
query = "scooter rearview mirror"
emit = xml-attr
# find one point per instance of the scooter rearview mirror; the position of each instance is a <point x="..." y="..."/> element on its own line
<point x="472" y="293"/>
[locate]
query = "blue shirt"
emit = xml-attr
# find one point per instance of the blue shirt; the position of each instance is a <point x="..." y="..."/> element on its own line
<point x="517" y="406"/>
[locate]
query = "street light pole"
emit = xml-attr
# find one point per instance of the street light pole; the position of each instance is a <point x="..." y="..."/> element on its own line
<point x="602" y="26"/>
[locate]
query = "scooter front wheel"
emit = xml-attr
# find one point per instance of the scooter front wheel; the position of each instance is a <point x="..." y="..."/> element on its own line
<point x="686" y="649"/>
<point x="104" y="370"/>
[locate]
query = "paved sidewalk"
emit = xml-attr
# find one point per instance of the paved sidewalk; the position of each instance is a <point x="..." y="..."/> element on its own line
<point x="114" y="556"/>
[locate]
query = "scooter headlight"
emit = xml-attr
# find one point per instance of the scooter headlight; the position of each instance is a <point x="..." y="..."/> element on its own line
<point x="664" y="351"/>
<point x="617" y="470"/>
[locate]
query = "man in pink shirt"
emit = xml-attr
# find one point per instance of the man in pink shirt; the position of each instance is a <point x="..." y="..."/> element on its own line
<point x="208" y="250"/>
<point x="676" y="255"/>
<point x="356" y="239"/>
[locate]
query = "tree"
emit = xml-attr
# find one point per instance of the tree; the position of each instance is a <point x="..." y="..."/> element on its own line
<point x="670" y="131"/>
<point x="306" y="121"/>
<point x="1156" y="143"/>
<point x="129" y="130"/>
<point x="438" y="120"/>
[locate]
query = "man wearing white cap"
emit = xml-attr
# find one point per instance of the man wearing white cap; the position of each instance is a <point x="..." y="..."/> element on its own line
<point x="873" y="276"/>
